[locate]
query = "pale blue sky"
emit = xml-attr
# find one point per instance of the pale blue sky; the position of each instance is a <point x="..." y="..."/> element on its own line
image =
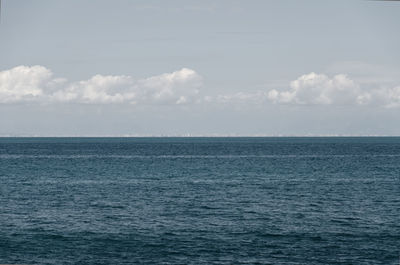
<point x="240" y="50"/>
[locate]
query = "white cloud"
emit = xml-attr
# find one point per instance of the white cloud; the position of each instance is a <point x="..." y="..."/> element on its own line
<point x="171" y="87"/>
<point x="320" y="89"/>
<point x="98" y="89"/>
<point x="258" y="97"/>
<point x="388" y="97"/>
<point x="37" y="84"/>
<point x="24" y="83"/>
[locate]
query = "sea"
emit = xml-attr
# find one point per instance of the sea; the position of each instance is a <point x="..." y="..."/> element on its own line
<point x="200" y="200"/>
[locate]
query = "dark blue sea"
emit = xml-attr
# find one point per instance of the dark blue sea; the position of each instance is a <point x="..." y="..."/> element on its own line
<point x="200" y="200"/>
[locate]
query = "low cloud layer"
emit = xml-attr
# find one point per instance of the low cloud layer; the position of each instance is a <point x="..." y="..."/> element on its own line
<point x="38" y="84"/>
<point x="320" y="89"/>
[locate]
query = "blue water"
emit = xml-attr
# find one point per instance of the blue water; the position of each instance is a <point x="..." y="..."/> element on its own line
<point x="200" y="200"/>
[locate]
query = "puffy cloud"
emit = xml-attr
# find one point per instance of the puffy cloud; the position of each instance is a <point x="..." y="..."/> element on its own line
<point x="98" y="89"/>
<point x="37" y="84"/>
<point x="24" y="83"/>
<point x="171" y="87"/>
<point x="386" y="96"/>
<point x="320" y="89"/>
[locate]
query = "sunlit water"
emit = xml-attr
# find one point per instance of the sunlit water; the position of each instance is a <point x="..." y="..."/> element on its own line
<point x="200" y="201"/>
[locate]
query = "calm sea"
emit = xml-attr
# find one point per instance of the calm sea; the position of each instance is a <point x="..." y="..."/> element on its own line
<point x="200" y="200"/>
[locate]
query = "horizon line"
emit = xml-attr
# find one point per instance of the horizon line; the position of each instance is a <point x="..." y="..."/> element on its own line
<point x="200" y="136"/>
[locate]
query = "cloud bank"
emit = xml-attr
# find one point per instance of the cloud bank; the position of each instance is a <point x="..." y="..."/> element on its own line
<point x="320" y="89"/>
<point x="37" y="84"/>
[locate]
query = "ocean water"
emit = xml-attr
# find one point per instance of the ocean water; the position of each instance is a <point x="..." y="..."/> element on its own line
<point x="200" y="200"/>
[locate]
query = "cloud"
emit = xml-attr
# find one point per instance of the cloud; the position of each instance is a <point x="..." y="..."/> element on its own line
<point x="171" y="87"/>
<point x="24" y="83"/>
<point x="258" y="97"/>
<point x="320" y="89"/>
<point x="98" y="89"/>
<point x="37" y="84"/>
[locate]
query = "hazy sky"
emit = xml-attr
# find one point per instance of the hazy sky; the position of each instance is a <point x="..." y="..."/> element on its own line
<point x="126" y="67"/>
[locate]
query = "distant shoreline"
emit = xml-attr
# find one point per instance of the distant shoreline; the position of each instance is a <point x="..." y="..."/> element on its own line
<point x="222" y="136"/>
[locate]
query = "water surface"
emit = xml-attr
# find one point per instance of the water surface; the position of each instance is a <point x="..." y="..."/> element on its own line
<point x="200" y="200"/>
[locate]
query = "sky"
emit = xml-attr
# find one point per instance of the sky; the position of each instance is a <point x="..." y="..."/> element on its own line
<point x="199" y="68"/>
